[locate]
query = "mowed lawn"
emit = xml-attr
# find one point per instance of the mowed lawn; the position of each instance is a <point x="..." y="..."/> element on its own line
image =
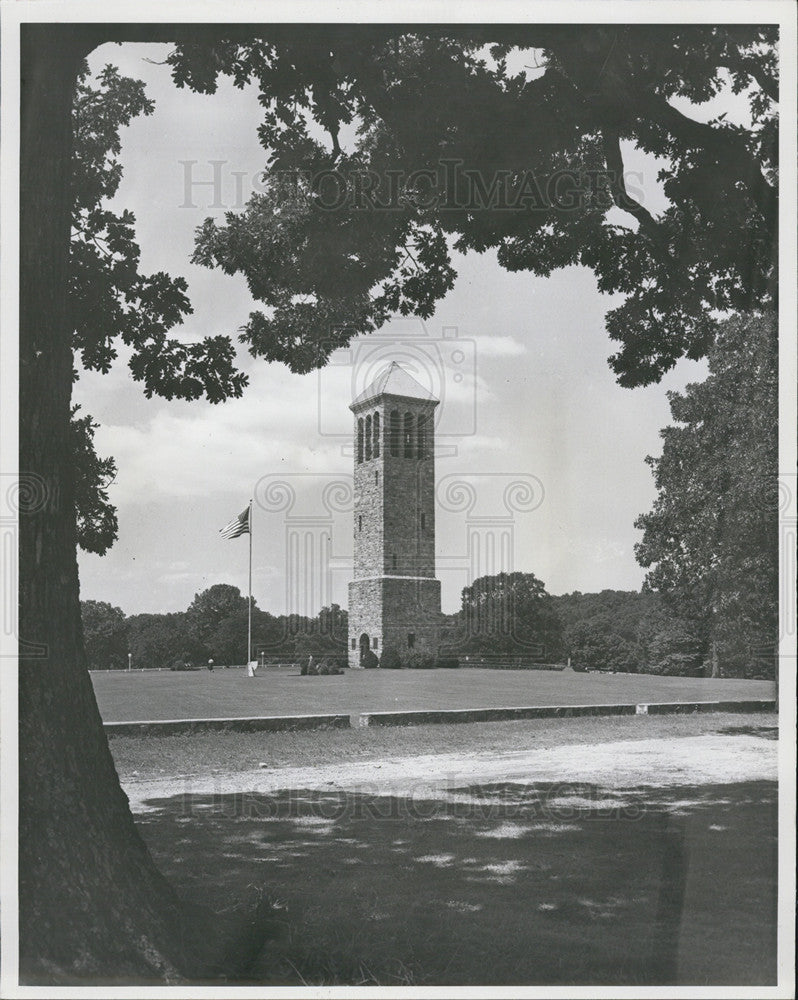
<point x="202" y="694"/>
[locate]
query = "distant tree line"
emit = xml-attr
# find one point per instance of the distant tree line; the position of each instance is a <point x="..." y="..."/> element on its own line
<point x="214" y="626"/>
<point x="510" y="617"/>
<point x="503" y="618"/>
<point x="628" y="632"/>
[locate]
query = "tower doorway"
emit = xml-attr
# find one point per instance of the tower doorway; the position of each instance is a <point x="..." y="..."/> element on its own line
<point x="364" y="647"/>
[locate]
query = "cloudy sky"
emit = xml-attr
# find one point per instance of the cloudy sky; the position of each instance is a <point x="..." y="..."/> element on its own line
<point x="520" y="364"/>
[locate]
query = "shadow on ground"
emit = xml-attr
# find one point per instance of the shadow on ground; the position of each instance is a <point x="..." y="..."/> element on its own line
<point x="503" y="883"/>
<point x="765" y="732"/>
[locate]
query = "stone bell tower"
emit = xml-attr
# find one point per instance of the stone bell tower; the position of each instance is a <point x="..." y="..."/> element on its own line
<point x="394" y="599"/>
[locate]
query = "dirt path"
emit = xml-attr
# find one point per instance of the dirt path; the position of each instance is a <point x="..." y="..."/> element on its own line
<point x="705" y="759"/>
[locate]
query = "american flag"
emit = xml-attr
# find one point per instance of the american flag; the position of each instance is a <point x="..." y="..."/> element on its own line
<point x="238" y="526"/>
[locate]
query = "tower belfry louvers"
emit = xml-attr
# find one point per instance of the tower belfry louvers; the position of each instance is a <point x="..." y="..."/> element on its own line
<point x="394" y="598"/>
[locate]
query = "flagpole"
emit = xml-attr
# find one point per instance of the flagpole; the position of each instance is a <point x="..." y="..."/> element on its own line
<point x="249" y="617"/>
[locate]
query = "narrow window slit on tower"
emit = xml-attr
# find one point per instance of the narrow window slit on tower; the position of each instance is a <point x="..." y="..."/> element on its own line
<point x="360" y="439"/>
<point x="420" y="435"/>
<point x="393" y="561"/>
<point x="408" y="435"/>
<point x="376" y="445"/>
<point x="395" y="433"/>
<point x="368" y="438"/>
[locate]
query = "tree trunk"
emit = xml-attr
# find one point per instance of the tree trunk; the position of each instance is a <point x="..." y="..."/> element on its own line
<point x="714" y="660"/>
<point x="93" y="906"/>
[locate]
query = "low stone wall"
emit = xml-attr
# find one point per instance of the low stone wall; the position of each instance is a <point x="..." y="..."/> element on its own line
<point x="556" y="711"/>
<point x="282" y="723"/>
<point x="757" y="705"/>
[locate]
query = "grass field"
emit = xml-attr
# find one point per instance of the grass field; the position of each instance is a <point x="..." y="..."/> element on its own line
<point x="499" y="882"/>
<point x="124" y="696"/>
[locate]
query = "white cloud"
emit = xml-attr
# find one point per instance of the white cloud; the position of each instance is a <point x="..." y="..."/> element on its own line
<point x="189" y="450"/>
<point x="494" y="346"/>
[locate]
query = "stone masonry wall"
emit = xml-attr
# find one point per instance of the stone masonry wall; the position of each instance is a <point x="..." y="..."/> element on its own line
<point x="409" y="501"/>
<point x="394" y="536"/>
<point x="365" y="615"/>
<point x="391" y="609"/>
<point x="369" y="507"/>
<point x="415" y="610"/>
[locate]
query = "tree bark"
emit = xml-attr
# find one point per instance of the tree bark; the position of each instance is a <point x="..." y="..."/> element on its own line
<point x="93" y="906"/>
<point x="714" y="660"/>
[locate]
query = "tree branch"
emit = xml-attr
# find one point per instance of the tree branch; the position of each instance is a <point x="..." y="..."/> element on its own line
<point x="727" y="148"/>
<point x="613" y="158"/>
<point x="750" y="66"/>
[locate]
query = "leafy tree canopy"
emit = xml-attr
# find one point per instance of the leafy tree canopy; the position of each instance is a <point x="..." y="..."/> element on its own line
<point x="97" y="523"/>
<point x="601" y="631"/>
<point x="212" y="607"/>
<point x="110" y="299"/>
<point x="105" y="633"/>
<point x="595" y="643"/>
<point x="711" y="538"/>
<point x="671" y="645"/>
<point x="508" y="613"/>
<point x="348" y="233"/>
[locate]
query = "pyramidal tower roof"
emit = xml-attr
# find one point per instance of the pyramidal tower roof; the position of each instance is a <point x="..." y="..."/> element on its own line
<point x="393" y="381"/>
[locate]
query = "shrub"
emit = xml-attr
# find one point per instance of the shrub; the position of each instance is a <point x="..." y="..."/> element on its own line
<point x="390" y="659"/>
<point x="447" y="663"/>
<point x="329" y="667"/>
<point x="678" y="665"/>
<point x="370" y="660"/>
<point x="320" y="668"/>
<point x="181" y="664"/>
<point x="420" y="661"/>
